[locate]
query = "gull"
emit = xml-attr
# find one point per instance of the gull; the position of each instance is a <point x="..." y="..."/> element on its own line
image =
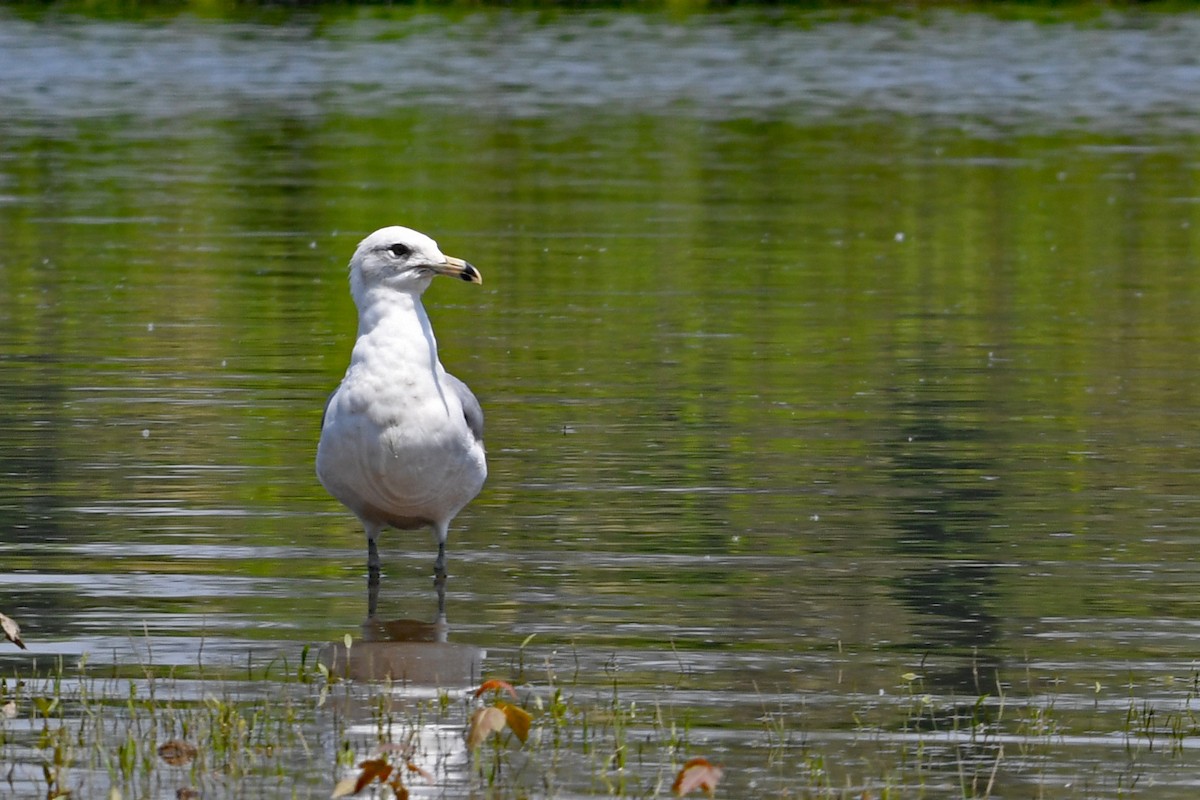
<point x="401" y="439"/>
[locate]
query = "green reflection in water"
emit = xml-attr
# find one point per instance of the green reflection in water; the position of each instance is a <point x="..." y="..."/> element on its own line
<point x="729" y="339"/>
<point x="753" y="387"/>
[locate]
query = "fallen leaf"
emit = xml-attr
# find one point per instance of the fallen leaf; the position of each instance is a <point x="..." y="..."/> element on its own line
<point x="485" y="722"/>
<point x="12" y="632"/>
<point x="177" y="752"/>
<point x="372" y="769"/>
<point x="186" y="793"/>
<point x="518" y="719"/>
<point x="398" y="788"/>
<point x="496" y="685"/>
<point x="424" y="773"/>
<point x="344" y="787"/>
<point x="697" y="773"/>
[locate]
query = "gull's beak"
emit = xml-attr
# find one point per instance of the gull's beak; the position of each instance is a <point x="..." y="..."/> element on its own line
<point x="457" y="268"/>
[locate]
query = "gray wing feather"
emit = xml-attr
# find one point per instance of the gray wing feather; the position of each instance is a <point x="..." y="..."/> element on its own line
<point x="325" y="411"/>
<point x="471" y="408"/>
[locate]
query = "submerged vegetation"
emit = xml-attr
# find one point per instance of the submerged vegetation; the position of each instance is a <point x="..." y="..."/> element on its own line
<point x="295" y="728"/>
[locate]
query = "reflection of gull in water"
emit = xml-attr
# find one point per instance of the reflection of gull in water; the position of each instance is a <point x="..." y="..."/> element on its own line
<point x="408" y="653"/>
<point x="415" y="663"/>
<point x="401" y="439"/>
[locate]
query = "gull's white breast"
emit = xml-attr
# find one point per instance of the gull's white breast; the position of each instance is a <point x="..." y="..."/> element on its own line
<point x="395" y="446"/>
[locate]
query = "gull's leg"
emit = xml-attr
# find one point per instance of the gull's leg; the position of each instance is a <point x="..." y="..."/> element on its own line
<point x="439" y="566"/>
<point x="439" y="583"/>
<point x="441" y="529"/>
<point x="372" y="593"/>
<point x="372" y="569"/>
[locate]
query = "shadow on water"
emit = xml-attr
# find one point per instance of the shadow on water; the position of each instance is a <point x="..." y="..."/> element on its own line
<point x="405" y="652"/>
<point x="945" y="505"/>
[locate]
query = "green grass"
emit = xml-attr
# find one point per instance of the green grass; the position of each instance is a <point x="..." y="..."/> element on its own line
<point x="293" y="729"/>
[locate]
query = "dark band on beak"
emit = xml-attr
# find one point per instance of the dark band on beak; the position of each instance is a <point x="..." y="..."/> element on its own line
<point x="457" y="268"/>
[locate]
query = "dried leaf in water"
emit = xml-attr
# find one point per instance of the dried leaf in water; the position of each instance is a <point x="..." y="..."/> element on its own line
<point x="12" y="631"/>
<point x="697" y="773"/>
<point x="187" y="793"/>
<point x="484" y="722"/>
<point x="518" y="719"/>
<point x="177" y="752"/>
<point x="496" y="685"/>
<point x="398" y="788"/>
<point x="424" y="773"/>
<point x="344" y="787"/>
<point x="372" y="769"/>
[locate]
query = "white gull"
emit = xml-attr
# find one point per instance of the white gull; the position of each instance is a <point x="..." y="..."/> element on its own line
<point x="401" y="439"/>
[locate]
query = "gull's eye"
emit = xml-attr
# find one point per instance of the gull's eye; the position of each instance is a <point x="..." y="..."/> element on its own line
<point x="399" y="250"/>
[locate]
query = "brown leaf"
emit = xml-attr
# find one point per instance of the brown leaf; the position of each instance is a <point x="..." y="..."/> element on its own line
<point x="398" y="788"/>
<point x="495" y="685"/>
<point x="697" y="773"/>
<point x="186" y="793"/>
<point x="424" y="773"/>
<point x="12" y="632"/>
<point x="177" y="752"/>
<point x="484" y="722"/>
<point x="371" y="770"/>
<point x="518" y="719"/>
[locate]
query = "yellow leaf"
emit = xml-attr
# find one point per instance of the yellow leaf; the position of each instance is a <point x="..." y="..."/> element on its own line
<point x="697" y="773"/>
<point x="344" y="787"/>
<point x="12" y="631"/>
<point x="496" y="685"/>
<point x="518" y="719"/>
<point x="484" y="722"/>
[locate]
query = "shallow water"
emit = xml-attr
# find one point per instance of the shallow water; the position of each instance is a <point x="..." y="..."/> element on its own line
<point x="816" y="352"/>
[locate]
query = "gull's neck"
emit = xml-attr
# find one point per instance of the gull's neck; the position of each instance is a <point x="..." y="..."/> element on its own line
<point x="395" y="323"/>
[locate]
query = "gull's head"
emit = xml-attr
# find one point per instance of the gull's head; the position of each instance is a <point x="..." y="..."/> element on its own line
<point x="403" y="260"/>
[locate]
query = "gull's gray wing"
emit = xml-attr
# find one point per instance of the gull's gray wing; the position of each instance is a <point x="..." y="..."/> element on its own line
<point x="325" y="410"/>
<point x="472" y="411"/>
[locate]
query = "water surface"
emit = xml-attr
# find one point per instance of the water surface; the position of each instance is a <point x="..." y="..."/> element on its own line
<point x="830" y="365"/>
